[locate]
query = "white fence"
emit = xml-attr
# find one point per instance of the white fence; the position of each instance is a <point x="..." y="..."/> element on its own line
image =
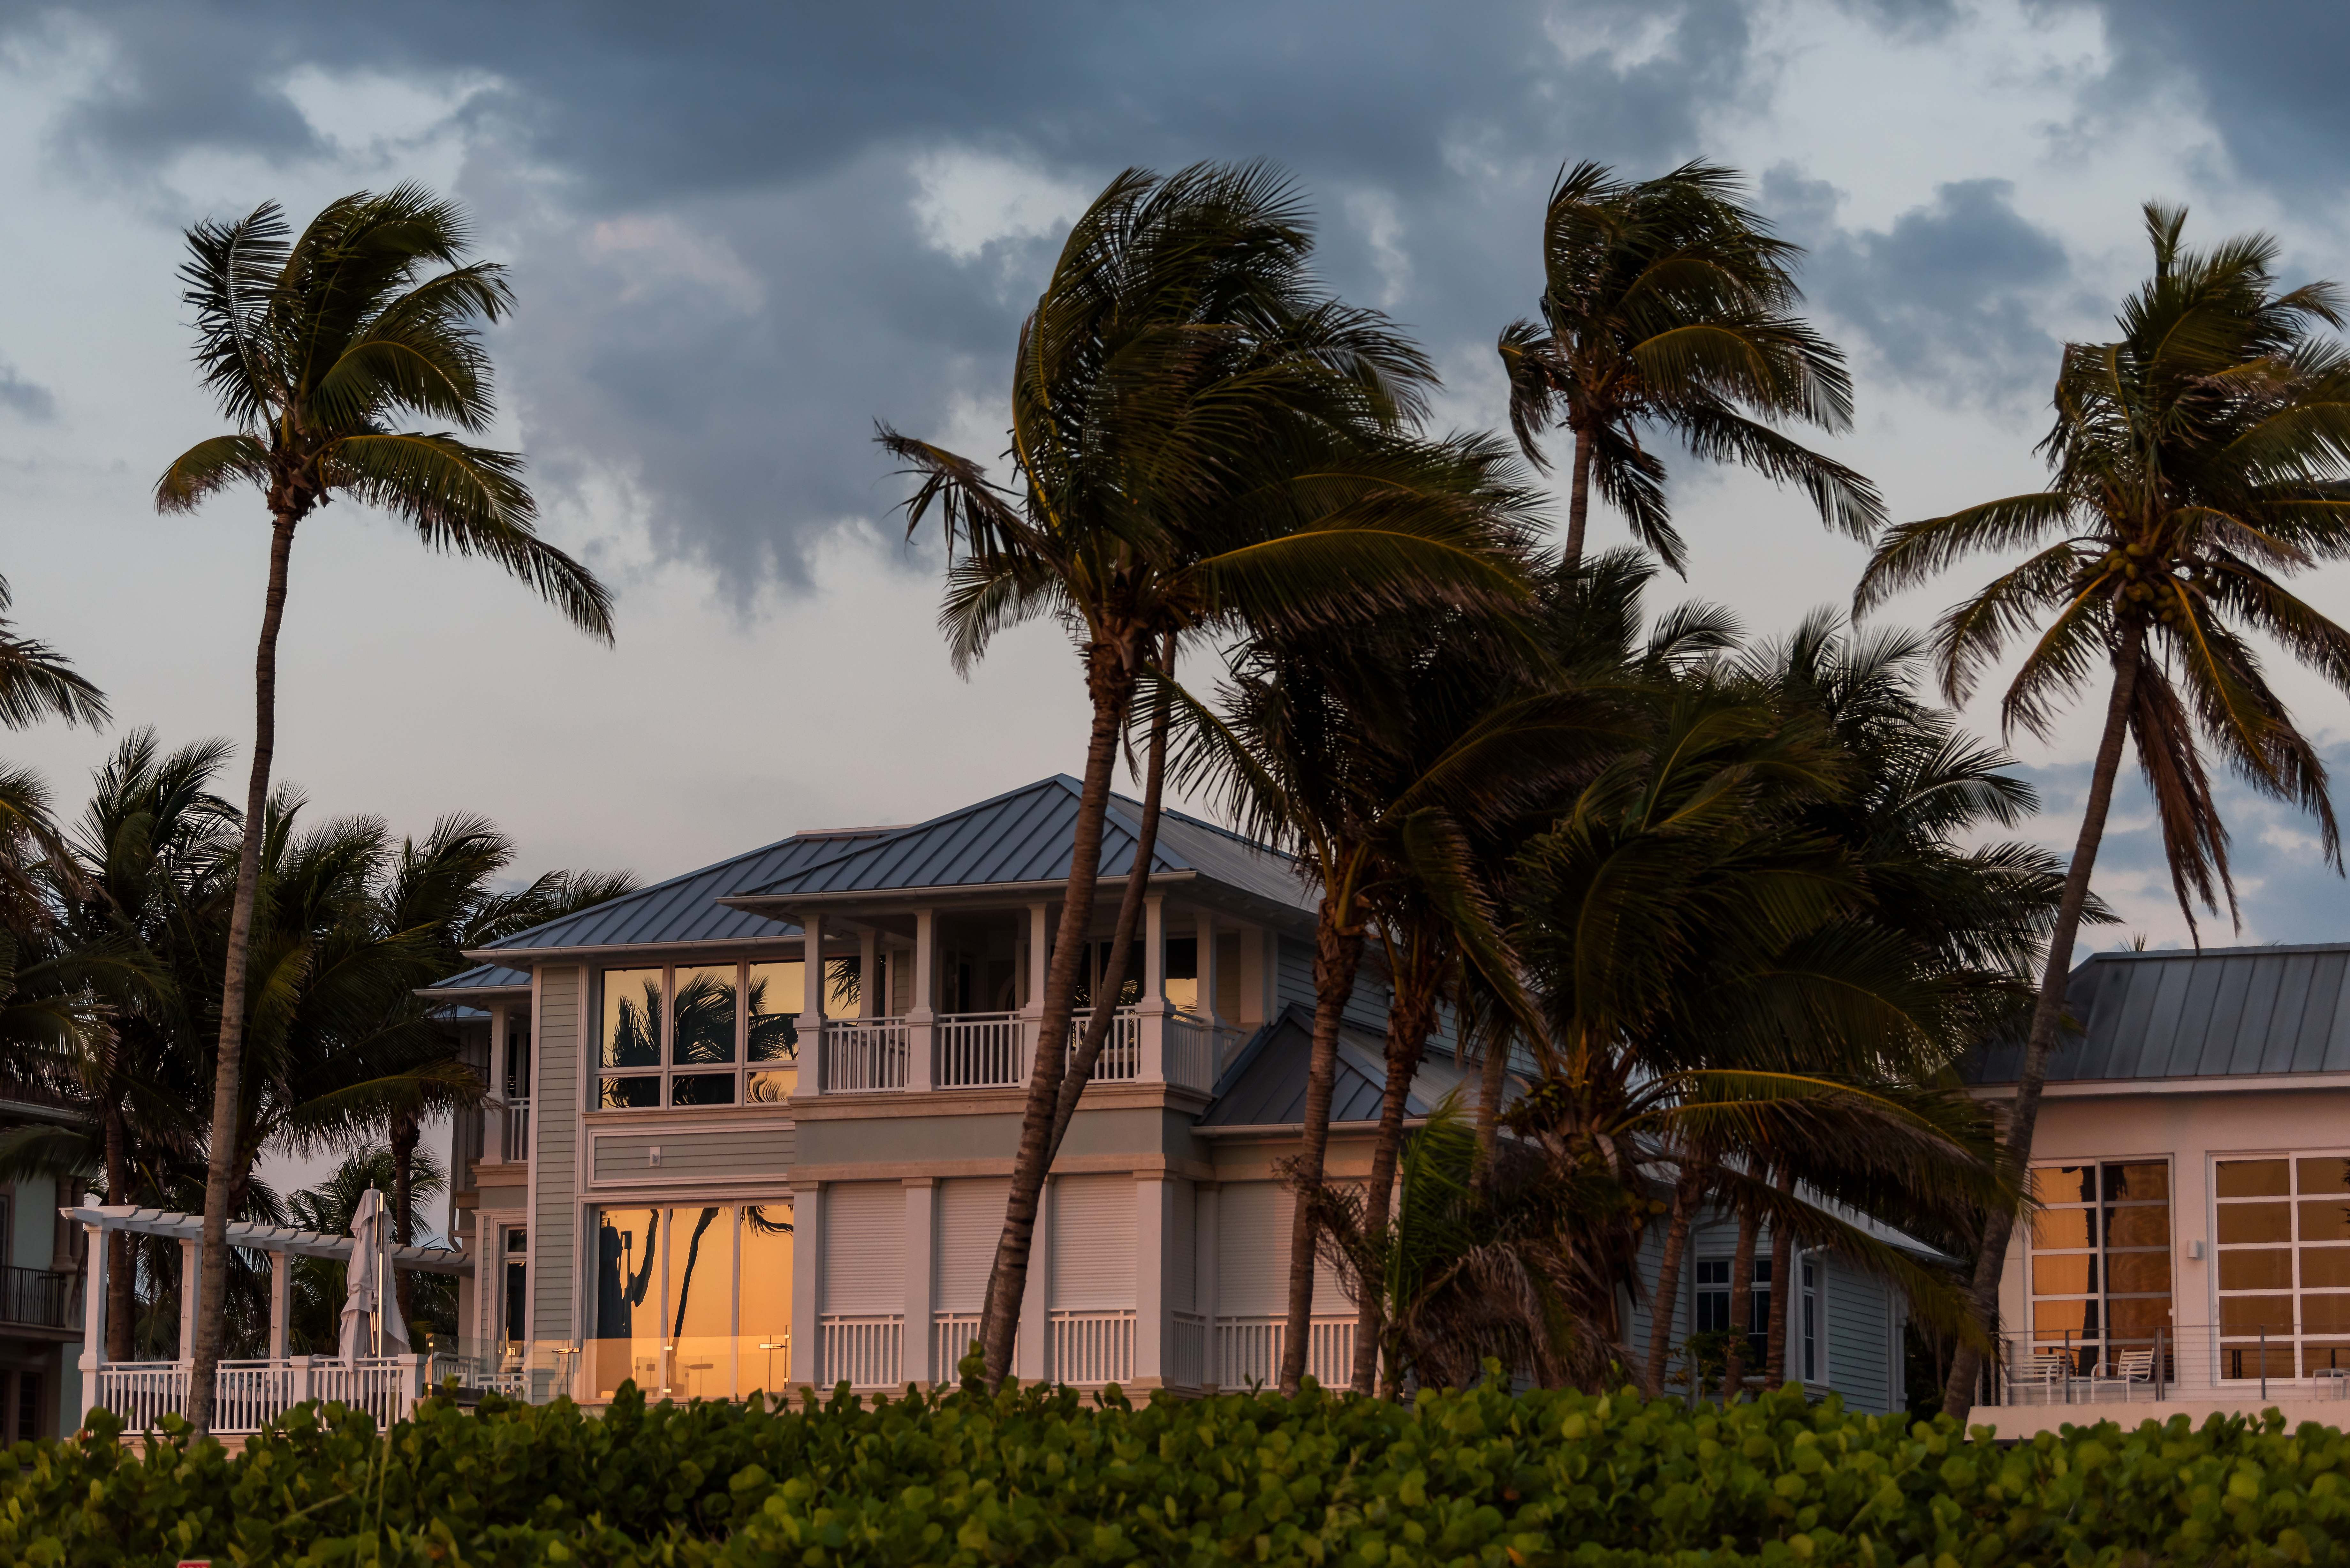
<point x="865" y="1351"/>
<point x="514" y="1130"/>
<point x="980" y="1050"/>
<point x="865" y="1055"/>
<point x="1092" y="1347"/>
<point x="251" y="1393"/>
<point x="1186" y="1349"/>
<point x="1248" y="1350"/>
<point x="1120" y="1061"/>
<point x="1190" y="1052"/>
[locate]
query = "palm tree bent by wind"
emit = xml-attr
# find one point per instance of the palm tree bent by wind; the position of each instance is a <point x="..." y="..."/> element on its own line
<point x="1668" y="305"/>
<point x="2197" y="460"/>
<point x="311" y="345"/>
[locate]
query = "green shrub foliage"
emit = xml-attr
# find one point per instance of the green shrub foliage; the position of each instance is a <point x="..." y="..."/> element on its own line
<point x="1042" y="1476"/>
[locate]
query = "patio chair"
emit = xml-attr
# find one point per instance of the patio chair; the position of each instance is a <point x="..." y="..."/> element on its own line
<point x="2124" y="1370"/>
<point x="2040" y="1379"/>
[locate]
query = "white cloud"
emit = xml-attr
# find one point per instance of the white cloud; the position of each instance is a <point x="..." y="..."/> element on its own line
<point x="968" y="201"/>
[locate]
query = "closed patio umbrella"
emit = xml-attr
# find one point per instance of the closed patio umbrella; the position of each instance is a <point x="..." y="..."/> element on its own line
<point x="367" y="1293"/>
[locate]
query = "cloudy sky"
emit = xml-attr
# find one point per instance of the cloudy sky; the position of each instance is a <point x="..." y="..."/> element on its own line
<point x="742" y="233"/>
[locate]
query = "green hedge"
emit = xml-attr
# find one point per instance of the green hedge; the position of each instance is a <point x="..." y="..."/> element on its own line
<point x="1038" y="1478"/>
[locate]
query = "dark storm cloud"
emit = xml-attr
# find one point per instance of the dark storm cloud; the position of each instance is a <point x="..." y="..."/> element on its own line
<point x="25" y="400"/>
<point x="1951" y="297"/>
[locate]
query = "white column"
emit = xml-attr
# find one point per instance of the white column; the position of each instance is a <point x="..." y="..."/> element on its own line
<point x="1153" y="1009"/>
<point x="921" y="1017"/>
<point x="1207" y="969"/>
<point x="93" y="1311"/>
<point x="1028" y="1363"/>
<point x="808" y="1268"/>
<point x="811" y="1022"/>
<point x="922" y="1209"/>
<point x="1256" y="990"/>
<point x="191" y="1282"/>
<point x="1203" y="1274"/>
<point x="1040" y="941"/>
<point x="281" y="1299"/>
<point x="870" y="1003"/>
<point x="1154" y="1217"/>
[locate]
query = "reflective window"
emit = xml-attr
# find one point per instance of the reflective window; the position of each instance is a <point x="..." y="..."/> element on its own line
<point x="704" y="1010"/>
<point x="716" y="1019"/>
<point x="632" y="1017"/>
<point x="691" y="1302"/>
<point x="2283" y="1222"/>
<point x="775" y="994"/>
<point x="2099" y="1262"/>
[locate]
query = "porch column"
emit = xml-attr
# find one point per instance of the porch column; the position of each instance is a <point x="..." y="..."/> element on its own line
<point x="1203" y="1267"/>
<point x="280" y="1300"/>
<point x="808" y="1268"/>
<point x="93" y="1311"/>
<point x="869" y="975"/>
<point x="1206" y="969"/>
<point x="1152" y="1012"/>
<point x="1154" y="1217"/>
<point x="921" y="1208"/>
<point x="921" y="1017"/>
<point x="1256" y="987"/>
<point x="1039" y="942"/>
<point x="1028" y="1358"/>
<point x="191" y="1284"/>
<point x="811" y="1021"/>
<point x="497" y="1086"/>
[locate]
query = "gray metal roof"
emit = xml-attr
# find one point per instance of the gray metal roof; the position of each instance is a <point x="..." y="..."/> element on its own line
<point x="1265" y="1085"/>
<point x="686" y="909"/>
<point x="481" y="977"/>
<point x="1024" y="836"/>
<point x="2222" y="1012"/>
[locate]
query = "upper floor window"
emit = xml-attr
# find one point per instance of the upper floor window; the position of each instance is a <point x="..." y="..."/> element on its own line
<point x="2284" y="1264"/>
<point x="698" y="1034"/>
<point x="2100" y="1258"/>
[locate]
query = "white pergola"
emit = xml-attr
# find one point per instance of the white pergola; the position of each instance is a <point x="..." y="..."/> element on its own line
<point x="188" y="1229"/>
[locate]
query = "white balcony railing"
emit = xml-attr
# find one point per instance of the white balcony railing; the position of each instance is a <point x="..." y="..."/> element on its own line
<point x="1186" y="1349"/>
<point x="865" y="1351"/>
<point x="1120" y="1061"/>
<point x="1090" y="1348"/>
<point x="251" y="1393"/>
<point x="865" y="1055"/>
<point x="514" y="1130"/>
<point x="1190" y="1051"/>
<point x="1248" y="1350"/>
<point x="980" y="1050"/>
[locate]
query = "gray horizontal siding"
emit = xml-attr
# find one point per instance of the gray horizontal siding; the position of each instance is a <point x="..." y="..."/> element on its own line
<point x="1859" y="1329"/>
<point x="555" y="1220"/>
<point x="700" y="1153"/>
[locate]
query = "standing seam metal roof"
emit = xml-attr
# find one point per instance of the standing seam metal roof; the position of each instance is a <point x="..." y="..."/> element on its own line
<point x="2222" y="1012"/>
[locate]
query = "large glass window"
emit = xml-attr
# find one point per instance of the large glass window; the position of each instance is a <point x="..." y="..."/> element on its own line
<point x="2284" y="1255"/>
<point x="2100" y="1258"/>
<point x="731" y="1034"/>
<point x="692" y="1302"/>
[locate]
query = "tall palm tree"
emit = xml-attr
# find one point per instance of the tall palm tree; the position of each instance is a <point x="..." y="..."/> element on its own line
<point x="2196" y="461"/>
<point x="1202" y="438"/>
<point x="37" y="682"/>
<point x="1669" y="308"/>
<point x="311" y="345"/>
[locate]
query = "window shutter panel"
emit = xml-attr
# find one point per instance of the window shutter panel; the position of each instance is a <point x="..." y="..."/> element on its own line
<point x="971" y="1223"/>
<point x="1093" y="1222"/>
<point x="865" y="1247"/>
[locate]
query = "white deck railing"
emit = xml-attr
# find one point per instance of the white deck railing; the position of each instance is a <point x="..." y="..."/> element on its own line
<point x="1120" y="1061"/>
<point x="1190" y="1052"/>
<point x="514" y="1130"/>
<point x="251" y="1393"/>
<point x="1186" y="1349"/>
<point x="865" y="1055"/>
<point x="1248" y="1350"/>
<point x="1090" y="1348"/>
<point x="980" y="1050"/>
<point x="864" y="1350"/>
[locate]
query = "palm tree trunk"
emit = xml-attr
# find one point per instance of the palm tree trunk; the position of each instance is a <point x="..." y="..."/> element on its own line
<point x="1109" y="681"/>
<point x="404" y="1135"/>
<point x="1412" y="1018"/>
<point x="1742" y="1306"/>
<point x="120" y="1300"/>
<point x="1783" y="1290"/>
<point x="1490" y="1088"/>
<point x="1578" y="498"/>
<point x="1337" y="954"/>
<point x="228" y="1070"/>
<point x="1966" y="1364"/>
<point x="1664" y="1307"/>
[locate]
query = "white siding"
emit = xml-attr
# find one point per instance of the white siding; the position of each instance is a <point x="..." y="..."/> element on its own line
<point x="1858" y="1308"/>
<point x="1093" y="1220"/>
<point x="1253" y="1220"/>
<point x="864" y="1247"/>
<point x="971" y="1222"/>
<point x="1182" y="1253"/>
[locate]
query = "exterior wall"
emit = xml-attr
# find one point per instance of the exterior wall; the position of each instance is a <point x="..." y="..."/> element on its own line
<point x="683" y="1150"/>
<point x="2192" y="1123"/>
<point x="555" y="1209"/>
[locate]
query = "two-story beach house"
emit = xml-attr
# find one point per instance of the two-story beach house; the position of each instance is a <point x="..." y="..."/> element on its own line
<point x="2191" y="1167"/>
<point x="710" y="1174"/>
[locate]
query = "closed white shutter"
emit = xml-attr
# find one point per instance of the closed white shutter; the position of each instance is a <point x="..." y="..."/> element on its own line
<point x="970" y="1224"/>
<point x="865" y="1247"/>
<point x="1253" y="1220"/>
<point x="1181" y="1252"/>
<point x="1093" y="1222"/>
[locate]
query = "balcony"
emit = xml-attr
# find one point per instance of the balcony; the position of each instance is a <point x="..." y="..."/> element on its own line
<point x="996" y="1051"/>
<point x="512" y="1141"/>
<point x="40" y="1298"/>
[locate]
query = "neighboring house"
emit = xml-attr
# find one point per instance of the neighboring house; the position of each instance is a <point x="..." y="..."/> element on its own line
<point x="2191" y="1163"/>
<point x="40" y="1296"/>
<point x="706" y="1174"/>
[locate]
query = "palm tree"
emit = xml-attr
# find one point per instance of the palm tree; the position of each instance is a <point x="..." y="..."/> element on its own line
<point x="1202" y="438"/>
<point x="37" y="682"/>
<point x="311" y="345"/>
<point x="1668" y="306"/>
<point x="2195" y="460"/>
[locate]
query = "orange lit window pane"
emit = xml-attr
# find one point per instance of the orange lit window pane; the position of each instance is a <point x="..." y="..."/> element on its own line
<point x="2252" y="1177"/>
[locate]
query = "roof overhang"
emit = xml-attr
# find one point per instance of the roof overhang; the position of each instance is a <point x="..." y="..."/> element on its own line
<point x="260" y="1238"/>
<point x="2218" y="1084"/>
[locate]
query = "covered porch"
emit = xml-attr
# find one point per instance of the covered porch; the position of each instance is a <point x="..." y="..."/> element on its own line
<point x="253" y="1392"/>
